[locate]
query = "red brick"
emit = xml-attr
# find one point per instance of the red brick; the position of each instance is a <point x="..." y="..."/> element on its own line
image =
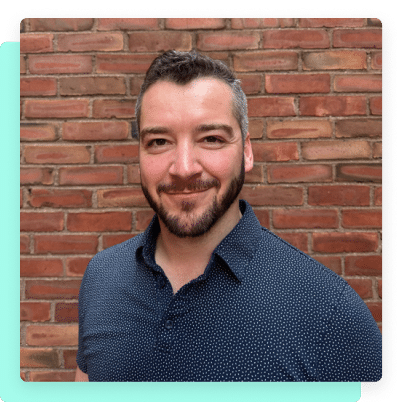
<point x="22" y="64"/>
<point x="305" y="218"/>
<point x="127" y="24"/>
<point x="380" y="288"/>
<point x="52" y="335"/>
<point x="124" y="63"/>
<point x="56" y="108"/>
<point x="299" y="129"/>
<point x="41" y="221"/>
<point x="121" y="197"/>
<point x="133" y="174"/>
<point x="376" y="60"/>
<point x="256" y="175"/>
<point x="272" y="195"/>
<point x="36" y="176"/>
<point x="38" y="86"/>
<point x="159" y="41"/>
<point x="99" y="221"/>
<point x="194" y="23"/>
<point x="330" y="22"/>
<point x="24" y="244"/>
<point x="60" y="24"/>
<point x="274" y="106"/>
<point x="35" y="311"/>
<point x="377" y="150"/>
<point x="359" y="128"/>
<point x="375" y="105"/>
<point x="349" y="242"/>
<point x="295" y="38"/>
<point x="143" y="218"/>
<point x="251" y="23"/>
<point x="363" y="265"/>
<point x="41" y="267"/>
<point x="362" y="219"/>
<point x="251" y="83"/>
<point x="362" y="286"/>
<point x="95" y="131"/>
<point x="56" y="154"/>
<point x="256" y="128"/>
<point x="91" y="175"/>
<point x="33" y="43"/>
<point x="60" y="64"/>
<point x="276" y="152"/>
<point x="298" y="240"/>
<point x="338" y="195"/>
<point x="92" y="86"/>
<point x="297" y="83"/>
<point x="93" y="41"/>
<point x="117" y="153"/>
<point x="360" y="38"/>
<point x="350" y="149"/>
<point x="65" y="244"/>
<point x="66" y="312"/>
<point x="39" y="357"/>
<point x="299" y="173"/>
<point x="228" y="40"/>
<point x="263" y="217"/>
<point x="376" y="310"/>
<point x="37" y="132"/>
<point x="365" y="172"/>
<point x="56" y="198"/>
<point x="378" y="196"/>
<point x="135" y="84"/>
<point x="265" y="61"/>
<point x="358" y="83"/>
<point x="118" y="108"/>
<point x="69" y="356"/>
<point x="52" y="289"/>
<point x="52" y="376"/>
<point x="333" y="105"/>
<point x="113" y="239"/>
<point x="331" y="262"/>
<point x="76" y="266"/>
<point x="335" y="60"/>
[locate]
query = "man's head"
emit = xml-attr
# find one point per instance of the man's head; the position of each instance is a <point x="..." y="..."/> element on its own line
<point x="193" y="155"/>
<point x="183" y="67"/>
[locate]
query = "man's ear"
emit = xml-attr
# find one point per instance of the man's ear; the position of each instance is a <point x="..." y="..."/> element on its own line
<point x="248" y="154"/>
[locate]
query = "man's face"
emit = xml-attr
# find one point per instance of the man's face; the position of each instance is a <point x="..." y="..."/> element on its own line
<point x="192" y="157"/>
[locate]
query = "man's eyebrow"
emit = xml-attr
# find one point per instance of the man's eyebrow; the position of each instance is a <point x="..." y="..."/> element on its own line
<point x="153" y="130"/>
<point x="215" y="126"/>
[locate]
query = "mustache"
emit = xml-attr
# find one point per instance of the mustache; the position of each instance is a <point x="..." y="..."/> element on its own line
<point x="193" y="185"/>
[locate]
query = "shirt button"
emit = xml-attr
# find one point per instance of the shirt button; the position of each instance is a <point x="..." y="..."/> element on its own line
<point x="169" y="324"/>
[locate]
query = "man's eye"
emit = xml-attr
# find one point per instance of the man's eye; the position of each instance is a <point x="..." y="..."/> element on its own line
<point x="212" y="139"/>
<point x="158" y="142"/>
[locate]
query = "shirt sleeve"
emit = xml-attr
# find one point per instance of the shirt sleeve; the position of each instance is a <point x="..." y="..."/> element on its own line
<point x="351" y="347"/>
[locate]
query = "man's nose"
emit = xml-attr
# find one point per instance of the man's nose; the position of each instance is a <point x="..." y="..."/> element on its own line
<point x="185" y="163"/>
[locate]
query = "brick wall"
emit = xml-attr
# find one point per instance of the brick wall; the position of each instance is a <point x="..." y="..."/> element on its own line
<point x="315" y="105"/>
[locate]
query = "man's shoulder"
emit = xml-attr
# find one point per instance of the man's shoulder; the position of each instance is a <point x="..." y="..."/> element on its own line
<point x="117" y="256"/>
<point x="294" y="261"/>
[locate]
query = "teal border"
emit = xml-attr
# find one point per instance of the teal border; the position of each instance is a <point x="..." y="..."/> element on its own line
<point x="12" y="388"/>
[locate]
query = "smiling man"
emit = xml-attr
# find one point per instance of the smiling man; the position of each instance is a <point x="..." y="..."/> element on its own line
<point x="206" y="293"/>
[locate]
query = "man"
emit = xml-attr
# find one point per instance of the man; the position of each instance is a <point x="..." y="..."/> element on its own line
<point x="206" y="293"/>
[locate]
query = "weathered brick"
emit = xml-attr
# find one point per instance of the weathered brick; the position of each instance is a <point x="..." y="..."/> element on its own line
<point x="39" y="357"/>
<point x="92" y="86"/>
<point x="250" y="83"/>
<point x="333" y="105"/>
<point x="295" y="38"/>
<point x="330" y="22"/>
<point x="265" y="61"/>
<point x="56" y="108"/>
<point x="52" y="289"/>
<point x="375" y="105"/>
<point x="60" y="64"/>
<point x="363" y="172"/>
<point x="256" y="128"/>
<point x="33" y="43"/>
<point x="52" y="335"/>
<point x="263" y="217"/>
<point x="56" y="154"/>
<point x="110" y="240"/>
<point x="360" y="38"/>
<point x="95" y="131"/>
<point x="363" y="265"/>
<point x="256" y="175"/>
<point x="335" y="60"/>
<point x="159" y="41"/>
<point x="349" y="242"/>
<point x="277" y="152"/>
<point x="143" y="218"/>
<point x="331" y="262"/>
<point x="376" y="60"/>
<point x="272" y="195"/>
<point x="93" y="41"/>
<point x="297" y="83"/>
<point x="251" y="23"/>
<point x="274" y="106"/>
<point x="41" y="221"/>
<point x="377" y="150"/>
<point x="358" y="83"/>
<point x="24" y="245"/>
<point x="38" y="86"/>
<point x="376" y="310"/>
<point x="35" y="311"/>
<point x="91" y="175"/>
<point x="60" y="24"/>
<point x="38" y="132"/>
<point x="351" y="149"/>
<point x="305" y="218"/>
<point x="349" y="195"/>
<point x="117" y="153"/>
<point x="127" y="24"/>
<point x="99" y="221"/>
<point x="121" y="197"/>
<point x="35" y="267"/>
<point x="133" y="174"/>
<point x="65" y="244"/>
<point x="76" y="266"/>
<point x="362" y="219"/>
<point x="299" y="173"/>
<point x="298" y="240"/>
<point x="69" y="356"/>
<point x="43" y="176"/>
<point x="66" y="312"/>
<point x="362" y="286"/>
<point x="124" y="64"/>
<point x="60" y="198"/>
<point x="228" y="40"/>
<point x="359" y="128"/>
<point x="378" y="196"/>
<point x="118" y="108"/>
<point x="52" y="376"/>
<point x="299" y="129"/>
<point x="194" y="23"/>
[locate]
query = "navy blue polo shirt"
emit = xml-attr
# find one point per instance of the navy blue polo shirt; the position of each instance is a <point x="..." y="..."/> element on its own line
<point x="262" y="311"/>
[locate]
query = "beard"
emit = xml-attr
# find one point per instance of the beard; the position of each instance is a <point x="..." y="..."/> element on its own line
<point x="188" y="224"/>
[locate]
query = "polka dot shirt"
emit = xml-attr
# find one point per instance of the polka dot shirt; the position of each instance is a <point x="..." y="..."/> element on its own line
<point x="262" y="311"/>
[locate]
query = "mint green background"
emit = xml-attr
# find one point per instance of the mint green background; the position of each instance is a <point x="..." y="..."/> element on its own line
<point x="12" y="388"/>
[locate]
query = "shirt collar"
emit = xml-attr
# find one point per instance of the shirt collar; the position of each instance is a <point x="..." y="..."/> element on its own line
<point x="236" y="249"/>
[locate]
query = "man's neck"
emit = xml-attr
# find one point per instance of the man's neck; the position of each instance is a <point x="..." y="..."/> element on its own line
<point x="184" y="259"/>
